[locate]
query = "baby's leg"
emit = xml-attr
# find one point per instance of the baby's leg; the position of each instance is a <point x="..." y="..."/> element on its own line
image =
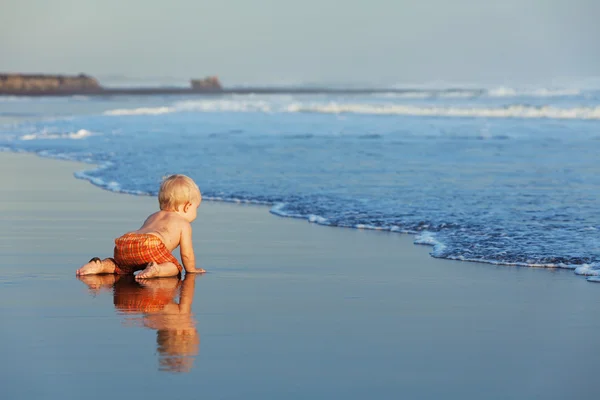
<point x="98" y="266"/>
<point x="154" y="270"/>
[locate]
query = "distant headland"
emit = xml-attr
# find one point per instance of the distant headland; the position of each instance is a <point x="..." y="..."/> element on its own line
<point x="82" y="84"/>
<point x="15" y="84"/>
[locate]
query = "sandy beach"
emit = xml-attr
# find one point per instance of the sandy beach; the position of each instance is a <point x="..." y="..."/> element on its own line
<point x="287" y="309"/>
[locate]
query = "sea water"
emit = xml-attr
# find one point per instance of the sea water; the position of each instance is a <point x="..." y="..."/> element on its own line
<point x="500" y="176"/>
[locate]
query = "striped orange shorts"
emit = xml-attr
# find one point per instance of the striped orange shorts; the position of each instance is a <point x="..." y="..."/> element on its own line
<point x="133" y="252"/>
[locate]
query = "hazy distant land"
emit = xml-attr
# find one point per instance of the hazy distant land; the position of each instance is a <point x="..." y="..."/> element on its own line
<point x="16" y="84"/>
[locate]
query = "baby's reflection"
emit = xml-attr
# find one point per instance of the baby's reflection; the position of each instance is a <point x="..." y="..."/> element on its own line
<point x="177" y="338"/>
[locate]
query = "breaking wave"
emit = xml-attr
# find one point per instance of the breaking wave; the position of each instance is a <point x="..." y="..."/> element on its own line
<point x="513" y="111"/>
<point x="541" y="92"/>
<point x="275" y="106"/>
<point x="80" y="134"/>
<point x="199" y="106"/>
<point x="141" y="111"/>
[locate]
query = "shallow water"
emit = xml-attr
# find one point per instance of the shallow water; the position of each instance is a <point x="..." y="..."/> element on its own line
<point x="262" y="330"/>
<point x="501" y="177"/>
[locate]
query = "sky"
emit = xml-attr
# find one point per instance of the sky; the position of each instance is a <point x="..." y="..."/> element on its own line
<point x="306" y="41"/>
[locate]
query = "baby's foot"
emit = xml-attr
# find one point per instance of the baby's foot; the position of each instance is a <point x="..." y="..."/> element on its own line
<point x="92" y="267"/>
<point x="150" y="271"/>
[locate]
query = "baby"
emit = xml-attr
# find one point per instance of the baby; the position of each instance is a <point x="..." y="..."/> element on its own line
<point x="149" y="248"/>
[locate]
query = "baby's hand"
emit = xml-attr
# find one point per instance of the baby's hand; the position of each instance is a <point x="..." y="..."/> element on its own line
<point x="196" y="271"/>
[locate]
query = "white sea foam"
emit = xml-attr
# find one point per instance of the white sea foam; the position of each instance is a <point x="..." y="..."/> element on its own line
<point x="587" y="270"/>
<point x="528" y="263"/>
<point x="371" y="227"/>
<point x="278" y="209"/>
<point x="56" y="156"/>
<point x="429" y="239"/>
<point x="539" y="92"/>
<point x="141" y="111"/>
<point x="426" y="238"/>
<point x="223" y="105"/>
<point x="44" y="135"/>
<point x="318" y="219"/>
<point x="515" y="111"/>
<point x="236" y="200"/>
<point x="112" y="186"/>
<point x="556" y="90"/>
<point x="239" y="105"/>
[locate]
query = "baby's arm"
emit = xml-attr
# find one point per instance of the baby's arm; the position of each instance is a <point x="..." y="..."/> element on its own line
<point x="187" y="251"/>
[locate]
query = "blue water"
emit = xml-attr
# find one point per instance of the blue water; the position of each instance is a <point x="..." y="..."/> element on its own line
<point x="508" y="178"/>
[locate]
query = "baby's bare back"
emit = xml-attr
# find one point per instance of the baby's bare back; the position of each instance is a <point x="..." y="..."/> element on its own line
<point x="166" y="225"/>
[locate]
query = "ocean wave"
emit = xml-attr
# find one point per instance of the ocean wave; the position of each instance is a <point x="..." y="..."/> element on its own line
<point x="111" y="185"/>
<point x="430" y="94"/>
<point x="237" y="200"/>
<point x="489" y="90"/>
<point x="80" y="134"/>
<point x="509" y="263"/>
<point x="91" y="175"/>
<point x="235" y="105"/>
<point x="588" y="270"/>
<point x="141" y="111"/>
<point x="500" y="91"/>
<point x="287" y="106"/>
<point x="541" y="92"/>
<point x="514" y="111"/>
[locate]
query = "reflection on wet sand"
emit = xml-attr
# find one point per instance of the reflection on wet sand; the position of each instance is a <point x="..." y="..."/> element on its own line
<point x="151" y="303"/>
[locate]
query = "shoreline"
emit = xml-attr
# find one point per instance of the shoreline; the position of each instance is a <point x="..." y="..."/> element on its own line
<point x="79" y="175"/>
<point x="261" y="211"/>
<point x="265" y="211"/>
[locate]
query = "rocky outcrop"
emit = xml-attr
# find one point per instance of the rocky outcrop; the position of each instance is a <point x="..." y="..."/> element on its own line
<point x="64" y="85"/>
<point x="210" y="83"/>
<point x="28" y="84"/>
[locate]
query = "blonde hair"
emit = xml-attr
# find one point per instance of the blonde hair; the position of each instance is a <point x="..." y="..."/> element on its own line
<point x="175" y="191"/>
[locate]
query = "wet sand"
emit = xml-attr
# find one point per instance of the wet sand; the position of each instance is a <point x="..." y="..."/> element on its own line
<point x="287" y="310"/>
